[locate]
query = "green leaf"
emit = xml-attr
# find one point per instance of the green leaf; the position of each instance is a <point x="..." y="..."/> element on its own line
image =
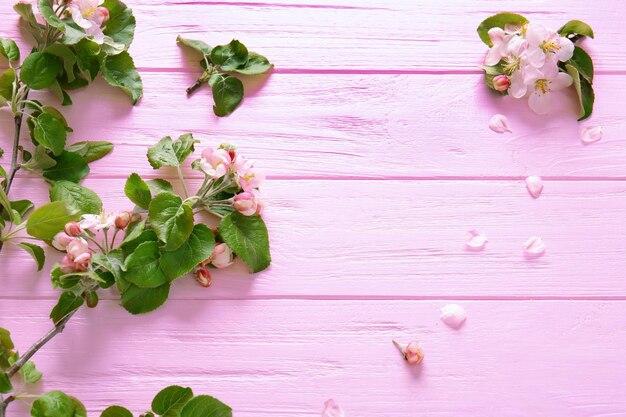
<point x="159" y="185"/>
<point x="82" y="199"/>
<point x="121" y="24"/>
<point x="143" y="300"/>
<point x="9" y="49"/>
<point x="247" y="236"/>
<point x="171" y="400"/>
<point x="91" y="150"/>
<point x="5" y="383"/>
<point x="206" y="406"/>
<point x="196" y="249"/>
<point x="134" y="230"/>
<point x="168" y="153"/>
<point x="88" y="58"/>
<point x="129" y="246"/>
<point x="142" y="266"/>
<point x="137" y="191"/>
<point x="68" y="303"/>
<point x="256" y="64"/>
<point x="498" y="20"/>
<point x="50" y="132"/>
<point x="6" y="205"/>
<point x="40" y="160"/>
<point x="227" y="94"/>
<point x="230" y="56"/>
<point x="577" y="28"/>
<point x="72" y="34"/>
<point x="30" y="373"/>
<point x="67" y="56"/>
<point x="6" y="83"/>
<point x="198" y="46"/>
<point x="116" y="411"/>
<point x="119" y="71"/>
<point x="49" y="219"/>
<point x="584" y="90"/>
<point x="171" y="220"/>
<point x="39" y="70"/>
<point x="36" y="252"/>
<point x="57" y="404"/>
<point x="583" y="63"/>
<point x="113" y="262"/>
<point x="69" y="167"/>
<point x="22" y="206"/>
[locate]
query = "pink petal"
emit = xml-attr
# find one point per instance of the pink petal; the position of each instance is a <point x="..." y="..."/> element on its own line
<point x="534" y="184"/>
<point x="499" y="124"/>
<point x="332" y="409"/>
<point x="476" y="240"/>
<point x="591" y="134"/>
<point x="534" y="247"/>
<point x="453" y="315"/>
<point x="540" y="103"/>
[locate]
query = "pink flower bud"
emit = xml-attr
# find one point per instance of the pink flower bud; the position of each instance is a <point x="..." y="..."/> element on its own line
<point x="61" y="240"/>
<point x="123" y="219"/>
<point x="66" y="265"/>
<point x="412" y="352"/>
<point x="81" y="263"/>
<point x="77" y="247"/>
<point x="501" y="82"/>
<point x="203" y="277"/>
<point x="73" y="229"/>
<point x="222" y="256"/>
<point x="104" y="14"/>
<point x="246" y="203"/>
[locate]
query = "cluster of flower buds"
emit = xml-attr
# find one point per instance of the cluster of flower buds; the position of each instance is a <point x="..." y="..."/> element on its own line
<point x="528" y="58"/>
<point x="221" y="257"/>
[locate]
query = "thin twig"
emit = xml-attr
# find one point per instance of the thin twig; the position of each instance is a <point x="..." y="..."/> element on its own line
<point x="4" y="403"/>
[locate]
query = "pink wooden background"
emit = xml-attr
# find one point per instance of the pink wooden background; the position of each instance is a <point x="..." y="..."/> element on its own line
<point x="373" y="132"/>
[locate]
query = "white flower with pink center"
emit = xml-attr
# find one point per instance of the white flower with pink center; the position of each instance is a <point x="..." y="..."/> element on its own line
<point x="215" y="162"/>
<point x="90" y="16"/>
<point x="546" y="45"/>
<point x="542" y="82"/>
<point x="249" y="178"/>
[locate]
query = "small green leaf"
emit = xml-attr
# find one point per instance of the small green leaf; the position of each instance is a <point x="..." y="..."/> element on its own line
<point x="171" y="220"/>
<point x="227" y="94"/>
<point x="138" y="300"/>
<point x="68" y="303"/>
<point x="119" y="71"/>
<point x="230" y="56"/>
<point x="184" y="146"/>
<point x="196" y="249"/>
<point x="576" y="27"/>
<point x="256" y="64"/>
<point x="22" y="206"/>
<point x="247" y="236"/>
<point x="30" y="373"/>
<point x="121" y="24"/>
<point x="69" y="167"/>
<point x="36" y="252"/>
<point x="5" y="383"/>
<point x="6" y="83"/>
<point x="583" y="63"/>
<point x="584" y="90"/>
<point x="142" y="266"/>
<point x="82" y="199"/>
<point x="49" y="219"/>
<point x="159" y="185"/>
<point x="171" y="400"/>
<point x="206" y="406"/>
<point x="9" y="49"/>
<point x="198" y="46"/>
<point x="498" y="20"/>
<point x="137" y="191"/>
<point x="57" y="404"/>
<point x="168" y="153"/>
<point x="50" y="132"/>
<point x="39" y="70"/>
<point x="116" y="411"/>
<point x="91" y="150"/>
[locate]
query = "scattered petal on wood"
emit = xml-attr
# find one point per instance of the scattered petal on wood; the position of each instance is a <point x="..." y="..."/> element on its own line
<point x="476" y="240"/>
<point x="453" y="315"/>
<point x="534" y="184"/>
<point x="332" y="409"/>
<point x="534" y="247"/>
<point x="499" y="124"/>
<point x="590" y="135"/>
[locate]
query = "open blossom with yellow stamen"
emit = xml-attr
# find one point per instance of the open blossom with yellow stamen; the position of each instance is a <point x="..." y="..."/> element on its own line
<point x="546" y="45"/>
<point x="89" y="15"/>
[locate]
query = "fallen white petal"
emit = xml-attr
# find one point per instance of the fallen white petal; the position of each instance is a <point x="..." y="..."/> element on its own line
<point x="476" y="240"/>
<point x="453" y="315"/>
<point x="534" y="184"/>
<point x="499" y="124"/>
<point x="332" y="409"/>
<point x="591" y="134"/>
<point x="534" y="247"/>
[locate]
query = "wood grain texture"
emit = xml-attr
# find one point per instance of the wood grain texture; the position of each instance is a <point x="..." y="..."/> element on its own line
<point x="263" y="364"/>
<point x="347" y="36"/>
<point x="367" y="126"/>
<point x="405" y="239"/>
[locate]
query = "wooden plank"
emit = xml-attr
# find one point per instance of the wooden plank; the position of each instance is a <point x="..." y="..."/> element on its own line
<point x="405" y="239"/>
<point x="374" y="126"/>
<point x="341" y="35"/>
<point x="285" y="358"/>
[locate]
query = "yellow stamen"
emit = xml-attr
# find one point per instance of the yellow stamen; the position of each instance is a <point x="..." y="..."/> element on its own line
<point x="512" y="64"/>
<point x="542" y="85"/>
<point x="549" y="47"/>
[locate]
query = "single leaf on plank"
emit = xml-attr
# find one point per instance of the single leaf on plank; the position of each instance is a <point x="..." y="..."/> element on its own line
<point x="198" y="46"/>
<point x="119" y="71"/>
<point x="171" y="220"/>
<point x="36" y="252"/>
<point x="84" y="200"/>
<point x="196" y="249"/>
<point x="227" y="94"/>
<point x="247" y="236"/>
<point x="171" y="400"/>
<point x="142" y="266"/>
